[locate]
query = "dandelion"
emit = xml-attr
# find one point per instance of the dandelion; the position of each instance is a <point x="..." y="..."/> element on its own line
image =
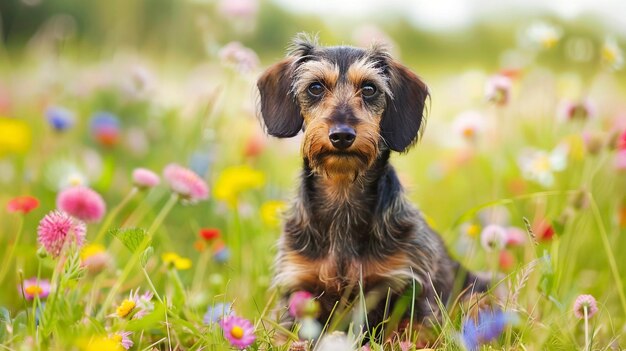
<point x="35" y="287"/>
<point x="612" y="54"/>
<point x="498" y="89"/>
<point x="490" y="325"/>
<point x="539" y="165"/>
<point x="216" y="312"/>
<point x="136" y="306"/>
<point x="123" y="339"/>
<point x="59" y="118"/>
<point x="210" y="234"/>
<point x="57" y="228"/>
<point x="493" y="237"/>
<point x="22" y="204"/>
<point x="243" y="59"/>
<point x="576" y="110"/>
<point x="238" y="331"/>
<point x="105" y="128"/>
<point x="82" y="203"/>
<point x="270" y="211"/>
<point x="144" y="178"/>
<point x="172" y="259"/>
<point x="15" y="136"/>
<point x="235" y="180"/>
<point x="543" y="35"/>
<point x="95" y="258"/>
<point x="469" y="125"/>
<point x="185" y="183"/>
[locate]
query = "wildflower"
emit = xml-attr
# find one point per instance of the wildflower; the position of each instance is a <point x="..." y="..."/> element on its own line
<point x="23" y="204"/>
<point x="105" y="128"/>
<point x="123" y="339"/>
<point x="543" y="35"/>
<point x="498" y="89"/>
<point x="243" y="9"/>
<point x="593" y="142"/>
<point x="619" y="162"/>
<point x="82" y="203"/>
<point x="15" y="136"/>
<point x="200" y="161"/>
<point x="515" y="236"/>
<point x="59" y="118"/>
<point x="238" y="331"/>
<point x="539" y="165"/>
<point x="216" y="312"/>
<point x="35" y="287"/>
<point x="243" y="59"/>
<point x="470" y="229"/>
<point x="209" y="234"/>
<point x="621" y="141"/>
<point x="95" y="258"/>
<point x="200" y="245"/>
<point x="337" y="341"/>
<point x="585" y="302"/>
<point x="185" y="183"/>
<point x="221" y="253"/>
<point x="270" y="211"/>
<point x="254" y="145"/>
<point x="469" y="125"/>
<point x="506" y="260"/>
<point x="612" y="54"/>
<point x="172" y="259"/>
<point x="544" y="231"/>
<point x="493" y="237"/>
<point x="310" y="328"/>
<point x="302" y="303"/>
<point x="57" y="228"/>
<point x="576" y="110"/>
<point x="234" y="180"/>
<point x="144" y="178"/>
<point x="490" y="325"/>
<point x="103" y="344"/>
<point x="136" y="306"/>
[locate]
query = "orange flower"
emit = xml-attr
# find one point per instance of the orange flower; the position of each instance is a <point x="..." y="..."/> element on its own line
<point x="23" y="204"/>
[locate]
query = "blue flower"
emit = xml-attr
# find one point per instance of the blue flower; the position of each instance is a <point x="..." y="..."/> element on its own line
<point x="222" y="255"/>
<point x="216" y="312"/>
<point x="59" y="118"/>
<point x="490" y="325"/>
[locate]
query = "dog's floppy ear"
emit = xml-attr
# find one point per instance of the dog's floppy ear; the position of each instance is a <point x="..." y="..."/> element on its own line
<point x="279" y="108"/>
<point x="404" y="114"/>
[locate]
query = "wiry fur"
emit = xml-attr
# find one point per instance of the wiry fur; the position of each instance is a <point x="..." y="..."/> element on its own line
<point x="350" y="225"/>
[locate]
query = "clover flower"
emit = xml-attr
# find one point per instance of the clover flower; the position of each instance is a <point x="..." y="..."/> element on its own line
<point x="82" y="202"/>
<point x="493" y="237"/>
<point x="35" y="287"/>
<point x="582" y="302"/>
<point x="57" y="228"/>
<point x="238" y="331"/>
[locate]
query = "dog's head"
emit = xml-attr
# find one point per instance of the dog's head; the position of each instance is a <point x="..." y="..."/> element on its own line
<point x="350" y="102"/>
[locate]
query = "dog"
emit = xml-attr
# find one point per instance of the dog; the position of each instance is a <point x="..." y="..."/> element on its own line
<point x="350" y="231"/>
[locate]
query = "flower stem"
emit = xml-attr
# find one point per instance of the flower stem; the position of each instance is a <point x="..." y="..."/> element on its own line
<point x="7" y="261"/>
<point x="113" y="213"/>
<point x="586" y="328"/>
<point x="137" y="254"/>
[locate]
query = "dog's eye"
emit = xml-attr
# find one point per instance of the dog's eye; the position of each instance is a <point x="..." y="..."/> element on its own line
<point x="316" y="89"/>
<point x="368" y="90"/>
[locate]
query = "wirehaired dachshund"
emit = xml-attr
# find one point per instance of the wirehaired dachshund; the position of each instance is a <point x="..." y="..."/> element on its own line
<point x="350" y="231"/>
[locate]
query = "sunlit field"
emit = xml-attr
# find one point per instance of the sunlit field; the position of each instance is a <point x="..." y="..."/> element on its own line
<point x="141" y="200"/>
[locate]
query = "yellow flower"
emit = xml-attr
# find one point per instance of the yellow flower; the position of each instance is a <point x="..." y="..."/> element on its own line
<point x="235" y="180"/>
<point x="125" y="308"/>
<point x="91" y="250"/>
<point x="102" y="344"/>
<point x="472" y="230"/>
<point x="270" y="211"/>
<point x="15" y="136"/>
<point x="173" y="259"/>
<point x="576" y="146"/>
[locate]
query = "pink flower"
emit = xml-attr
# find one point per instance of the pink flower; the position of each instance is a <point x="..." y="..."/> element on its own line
<point x="576" y="110"/>
<point x="493" y="237"/>
<point x="583" y="301"/>
<point x="244" y="9"/>
<point x="619" y="162"/>
<point x="35" y="287"/>
<point x="185" y="183"/>
<point x="56" y="228"/>
<point x="515" y="236"/>
<point x="82" y="203"/>
<point x="498" y="89"/>
<point x="298" y="302"/>
<point x="238" y="331"/>
<point x="144" y="178"/>
<point x="243" y="59"/>
<point x="123" y="338"/>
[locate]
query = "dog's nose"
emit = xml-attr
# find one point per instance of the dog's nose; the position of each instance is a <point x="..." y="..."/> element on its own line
<point x="342" y="136"/>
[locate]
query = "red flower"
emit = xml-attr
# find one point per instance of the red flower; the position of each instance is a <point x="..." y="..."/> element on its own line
<point x="544" y="230"/>
<point x="23" y="204"/>
<point x="506" y="260"/>
<point x="621" y="142"/>
<point x="209" y="233"/>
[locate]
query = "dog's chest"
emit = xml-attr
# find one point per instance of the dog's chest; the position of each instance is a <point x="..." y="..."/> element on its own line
<point x="335" y="273"/>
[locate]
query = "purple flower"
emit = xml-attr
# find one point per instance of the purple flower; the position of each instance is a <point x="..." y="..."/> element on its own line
<point x="59" y="118"/>
<point x="489" y="326"/>
<point x="238" y="331"/>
